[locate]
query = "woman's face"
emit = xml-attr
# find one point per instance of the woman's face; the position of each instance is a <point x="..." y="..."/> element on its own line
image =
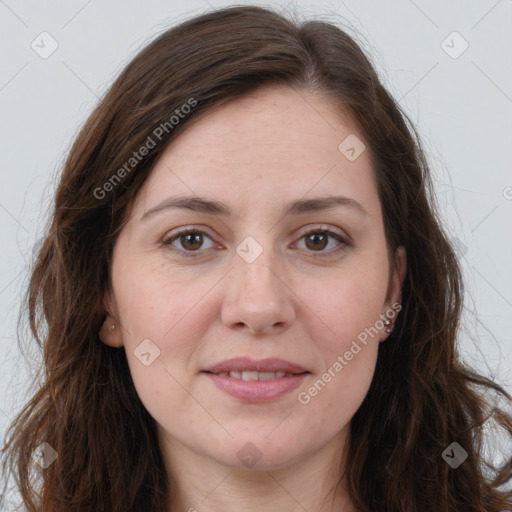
<point x="275" y="275"/>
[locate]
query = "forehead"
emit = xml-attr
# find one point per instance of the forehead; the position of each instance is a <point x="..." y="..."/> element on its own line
<point x="271" y="143"/>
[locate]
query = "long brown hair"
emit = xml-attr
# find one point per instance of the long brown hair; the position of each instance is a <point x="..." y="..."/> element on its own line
<point x="421" y="399"/>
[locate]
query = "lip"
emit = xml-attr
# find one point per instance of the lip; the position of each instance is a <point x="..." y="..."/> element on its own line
<point x="258" y="390"/>
<point x="241" y="364"/>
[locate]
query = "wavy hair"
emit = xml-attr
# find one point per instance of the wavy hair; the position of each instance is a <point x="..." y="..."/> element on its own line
<point x="422" y="397"/>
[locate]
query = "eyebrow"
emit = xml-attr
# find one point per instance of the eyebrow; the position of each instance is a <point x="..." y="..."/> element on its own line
<point x="213" y="207"/>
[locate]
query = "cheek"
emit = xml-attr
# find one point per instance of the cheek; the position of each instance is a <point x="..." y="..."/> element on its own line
<point x="155" y="300"/>
<point x="348" y="342"/>
<point x="172" y="313"/>
<point x="344" y="322"/>
<point x="345" y="308"/>
<point x="170" y="320"/>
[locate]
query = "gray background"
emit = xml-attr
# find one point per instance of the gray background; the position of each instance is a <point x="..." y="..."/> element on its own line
<point x="460" y="102"/>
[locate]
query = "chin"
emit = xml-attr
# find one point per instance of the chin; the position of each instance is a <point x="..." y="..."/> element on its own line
<point x="258" y="451"/>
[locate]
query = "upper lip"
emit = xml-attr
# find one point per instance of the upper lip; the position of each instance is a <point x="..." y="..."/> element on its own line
<point x="245" y="364"/>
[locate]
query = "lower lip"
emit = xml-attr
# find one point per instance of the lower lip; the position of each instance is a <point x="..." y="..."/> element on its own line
<point x="257" y="390"/>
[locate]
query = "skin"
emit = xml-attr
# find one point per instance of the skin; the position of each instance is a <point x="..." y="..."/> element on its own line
<point x="301" y="302"/>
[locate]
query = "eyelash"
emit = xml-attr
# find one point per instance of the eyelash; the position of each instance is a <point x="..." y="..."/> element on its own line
<point x="343" y="245"/>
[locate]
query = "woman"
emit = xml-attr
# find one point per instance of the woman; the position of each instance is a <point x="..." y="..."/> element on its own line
<point x="245" y="297"/>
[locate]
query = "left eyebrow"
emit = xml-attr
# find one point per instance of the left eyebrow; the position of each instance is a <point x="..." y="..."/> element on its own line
<point x="213" y="207"/>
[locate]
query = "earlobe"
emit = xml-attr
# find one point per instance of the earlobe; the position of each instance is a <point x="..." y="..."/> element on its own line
<point x="110" y="331"/>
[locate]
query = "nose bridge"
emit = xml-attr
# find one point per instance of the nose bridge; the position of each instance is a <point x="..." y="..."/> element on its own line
<point x="257" y="269"/>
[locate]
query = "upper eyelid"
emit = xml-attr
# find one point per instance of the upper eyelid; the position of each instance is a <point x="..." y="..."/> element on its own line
<point x="304" y="230"/>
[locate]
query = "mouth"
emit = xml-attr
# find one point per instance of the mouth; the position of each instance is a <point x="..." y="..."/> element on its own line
<point x="256" y="381"/>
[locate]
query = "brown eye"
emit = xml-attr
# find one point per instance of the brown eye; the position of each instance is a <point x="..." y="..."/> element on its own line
<point x="316" y="241"/>
<point x="190" y="241"/>
<point x="319" y="241"/>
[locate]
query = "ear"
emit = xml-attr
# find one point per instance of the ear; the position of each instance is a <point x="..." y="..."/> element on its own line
<point x="110" y="332"/>
<point x="393" y="302"/>
<point x="396" y="279"/>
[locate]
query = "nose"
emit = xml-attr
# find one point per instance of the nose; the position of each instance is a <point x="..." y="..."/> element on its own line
<point x="257" y="299"/>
